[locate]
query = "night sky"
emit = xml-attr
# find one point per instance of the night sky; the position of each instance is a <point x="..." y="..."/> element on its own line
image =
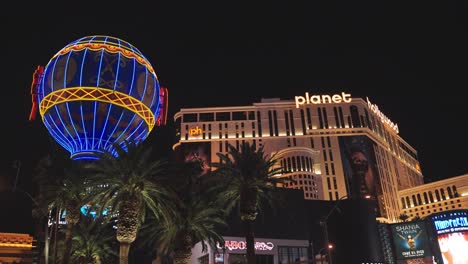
<point x="408" y="59"/>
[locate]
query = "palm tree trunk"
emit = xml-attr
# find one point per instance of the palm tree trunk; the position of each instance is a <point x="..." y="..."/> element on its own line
<point x="250" y="240"/>
<point x="182" y="256"/>
<point x="68" y="244"/>
<point x="123" y="254"/>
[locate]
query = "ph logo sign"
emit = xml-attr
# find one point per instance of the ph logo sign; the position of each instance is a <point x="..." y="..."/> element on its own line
<point x="195" y="131"/>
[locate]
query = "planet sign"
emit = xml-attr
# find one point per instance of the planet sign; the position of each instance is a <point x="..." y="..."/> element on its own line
<point x="96" y="92"/>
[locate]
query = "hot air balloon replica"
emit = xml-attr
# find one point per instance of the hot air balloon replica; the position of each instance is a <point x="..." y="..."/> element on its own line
<point x="96" y="92"/>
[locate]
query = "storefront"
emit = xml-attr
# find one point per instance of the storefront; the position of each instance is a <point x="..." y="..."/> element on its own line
<point x="267" y="251"/>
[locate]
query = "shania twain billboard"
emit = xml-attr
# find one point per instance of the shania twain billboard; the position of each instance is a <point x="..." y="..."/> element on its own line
<point x="411" y="243"/>
<point x="451" y="229"/>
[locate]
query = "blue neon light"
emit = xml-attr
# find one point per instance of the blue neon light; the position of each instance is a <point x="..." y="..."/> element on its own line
<point x="85" y="128"/>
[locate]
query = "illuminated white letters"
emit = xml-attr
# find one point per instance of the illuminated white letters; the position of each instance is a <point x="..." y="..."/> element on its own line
<point x="322" y="99"/>
<point x="242" y="245"/>
<point x="374" y="108"/>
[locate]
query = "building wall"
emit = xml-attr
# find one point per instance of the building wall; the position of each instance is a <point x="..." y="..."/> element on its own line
<point x="278" y="124"/>
<point x="434" y="197"/>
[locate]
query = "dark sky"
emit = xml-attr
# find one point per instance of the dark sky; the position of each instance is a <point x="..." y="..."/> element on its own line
<point x="410" y="59"/>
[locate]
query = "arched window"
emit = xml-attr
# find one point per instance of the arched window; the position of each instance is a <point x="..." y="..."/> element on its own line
<point x="425" y="198"/>
<point x="408" y="201"/>
<point x="431" y="198"/>
<point x="419" y="199"/>
<point x="455" y="193"/>
<point x="442" y="194"/>
<point x="437" y="195"/>
<point x="403" y="204"/>
<point x="449" y="191"/>
<point x="414" y="200"/>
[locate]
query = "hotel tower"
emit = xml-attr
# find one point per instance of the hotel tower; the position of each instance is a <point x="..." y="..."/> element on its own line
<point x="331" y="146"/>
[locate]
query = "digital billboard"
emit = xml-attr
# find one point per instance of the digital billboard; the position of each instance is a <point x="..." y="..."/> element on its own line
<point x="452" y="235"/>
<point x="360" y="168"/>
<point x="200" y="151"/>
<point x="411" y="241"/>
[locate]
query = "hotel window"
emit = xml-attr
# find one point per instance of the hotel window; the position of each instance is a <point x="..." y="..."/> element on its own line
<point x="220" y="146"/>
<point x="328" y="142"/>
<point x="425" y="197"/>
<point x="437" y="195"/>
<point x="442" y="194"/>
<point x="324" y="155"/>
<point x="323" y="142"/>
<point x="337" y="120"/>
<point x="369" y="124"/>
<point x="188" y="118"/>
<point x="275" y="120"/>
<point x="223" y="116"/>
<point x="259" y="124"/>
<point x="430" y="197"/>
<point x="355" y="116"/>
<point x="328" y="183"/>
<point x="455" y="193"/>
<point x="309" y="120"/>
<point x="403" y="204"/>
<point x="304" y="130"/>
<point x="419" y="199"/>
<point x="239" y="115"/>
<point x="206" y="117"/>
<point x="251" y="115"/>
<point x="325" y="117"/>
<point x="414" y="200"/>
<point x="319" y="111"/>
<point x="291" y="118"/>
<point x="290" y="255"/>
<point x="449" y="191"/>
<point x="341" y="117"/>
<point x="286" y="121"/>
<point x="330" y="154"/>
<point x="335" y="186"/>
<point x="326" y="169"/>
<point x="303" y="159"/>
<point x="270" y="123"/>
<point x="312" y="145"/>
<point x="408" y="201"/>
<point x="332" y="168"/>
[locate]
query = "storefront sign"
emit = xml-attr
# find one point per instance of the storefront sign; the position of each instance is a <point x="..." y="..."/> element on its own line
<point x="322" y="99"/>
<point x="195" y="131"/>
<point x="242" y="245"/>
<point x="374" y="108"/>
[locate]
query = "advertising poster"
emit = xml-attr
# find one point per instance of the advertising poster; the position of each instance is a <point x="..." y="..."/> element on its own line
<point x="360" y="167"/>
<point x="200" y="151"/>
<point x="452" y="236"/>
<point x="411" y="241"/>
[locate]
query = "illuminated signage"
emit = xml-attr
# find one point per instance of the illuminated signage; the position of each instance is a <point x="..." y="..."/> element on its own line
<point x="453" y="224"/>
<point x="195" y="131"/>
<point x="322" y="99"/>
<point x="242" y="245"/>
<point x="374" y="108"/>
<point x="410" y="240"/>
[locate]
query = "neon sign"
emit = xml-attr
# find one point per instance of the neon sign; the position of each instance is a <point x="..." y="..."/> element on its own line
<point x="195" y="131"/>
<point x="322" y="99"/>
<point x="242" y="245"/>
<point x="374" y="108"/>
<point x="453" y="224"/>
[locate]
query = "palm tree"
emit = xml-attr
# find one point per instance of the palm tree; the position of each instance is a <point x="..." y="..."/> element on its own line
<point x="63" y="187"/>
<point x="248" y="177"/>
<point x="403" y="217"/>
<point x="92" y="242"/>
<point x="195" y="220"/>
<point x="128" y="181"/>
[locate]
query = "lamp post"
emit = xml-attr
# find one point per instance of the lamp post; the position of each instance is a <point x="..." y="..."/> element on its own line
<point x="324" y="223"/>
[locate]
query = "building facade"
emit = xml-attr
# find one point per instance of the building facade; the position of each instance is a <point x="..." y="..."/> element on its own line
<point x="332" y="146"/>
<point x="435" y="197"/>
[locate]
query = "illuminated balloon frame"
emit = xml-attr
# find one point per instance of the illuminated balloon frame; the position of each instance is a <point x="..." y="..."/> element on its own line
<point x="98" y="91"/>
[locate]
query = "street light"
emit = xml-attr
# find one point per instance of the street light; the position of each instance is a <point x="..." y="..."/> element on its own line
<point x="323" y="223"/>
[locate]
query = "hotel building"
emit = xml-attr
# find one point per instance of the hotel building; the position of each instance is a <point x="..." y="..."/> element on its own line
<point x="332" y="146"/>
<point x="435" y="197"/>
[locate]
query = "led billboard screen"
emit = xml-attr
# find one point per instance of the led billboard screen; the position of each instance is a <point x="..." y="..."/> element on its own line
<point x="452" y="235"/>
<point x="411" y="240"/>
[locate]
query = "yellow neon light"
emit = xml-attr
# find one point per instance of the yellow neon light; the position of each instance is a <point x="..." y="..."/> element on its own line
<point x="16" y="245"/>
<point x="98" y="94"/>
<point x="110" y="48"/>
